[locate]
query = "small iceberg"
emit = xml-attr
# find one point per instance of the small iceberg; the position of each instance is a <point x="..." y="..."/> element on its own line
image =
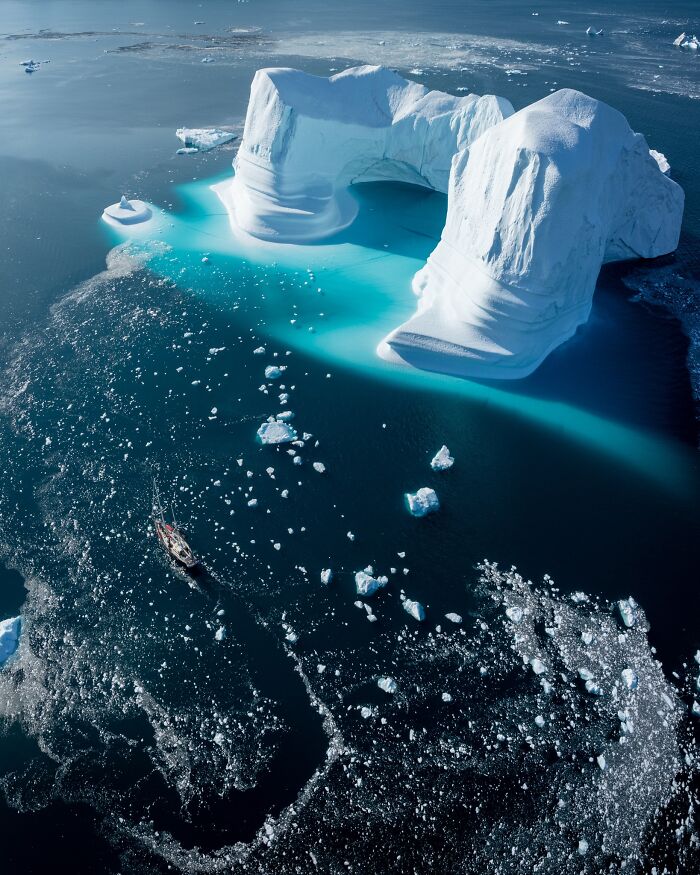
<point x="367" y="584"/>
<point x="9" y="637"/>
<point x="326" y="576"/>
<point x="442" y="460"/>
<point x="423" y="502"/>
<point x="687" y="42"/>
<point x="203" y="139"/>
<point x="126" y="212"/>
<point x="591" y="31"/>
<point x="662" y="161"/>
<point x="31" y="66"/>
<point x="273" y="372"/>
<point x="387" y="684"/>
<point x="454" y="618"/>
<point x="628" y="611"/>
<point x="276" y="433"/>
<point x="415" y="609"/>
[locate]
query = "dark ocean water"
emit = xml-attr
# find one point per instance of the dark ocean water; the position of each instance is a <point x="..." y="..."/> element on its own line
<point x="134" y="740"/>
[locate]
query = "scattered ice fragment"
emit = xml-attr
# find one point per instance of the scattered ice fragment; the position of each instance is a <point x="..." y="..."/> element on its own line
<point x="366" y="712"/>
<point x="454" y="618"/>
<point x="587" y="637"/>
<point x="696" y="708"/>
<point x="415" y="609"/>
<point x="253" y="502"/>
<point x="276" y="433"/>
<point x="593" y="32"/>
<point x="367" y="584"/>
<point x="446" y="697"/>
<point x="630" y="678"/>
<point x="662" y="161"/>
<point x="387" y="684"/>
<point x="514" y="613"/>
<point x="350" y="536"/>
<point x="423" y="502"/>
<point x="628" y="613"/>
<point x="539" y="720"/>
<point x="10" y="630"/>
<point x="600" y="759"/>
<point x="326" y="575"/>
<point x="537" y="665"/>
<point x="273" y="372"/>
<point x="220" y="633"/>
<point x="583" y="844"/>
<point x="319" y="466"/>
<point x="259" y="350"/>
<point x="585" y="674"/>
<point x="203" y="139"/>
<point x="442" y="460"/>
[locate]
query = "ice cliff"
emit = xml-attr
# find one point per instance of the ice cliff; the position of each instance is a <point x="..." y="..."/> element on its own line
<point x="537" y="202"/>
<point x="535" y="207"/>
<point x="307" y="138"/>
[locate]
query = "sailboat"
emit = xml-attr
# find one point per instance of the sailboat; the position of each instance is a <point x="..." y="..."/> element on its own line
<point x="170" y="536"/>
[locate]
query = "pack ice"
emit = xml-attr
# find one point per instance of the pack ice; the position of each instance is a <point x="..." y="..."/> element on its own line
<point x="307" y="138"/>
<point x="537" y="202"/>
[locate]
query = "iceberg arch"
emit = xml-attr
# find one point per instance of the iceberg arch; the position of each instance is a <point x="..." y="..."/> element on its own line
<point x="307" y="138"/>
<point x="538" y="200"/>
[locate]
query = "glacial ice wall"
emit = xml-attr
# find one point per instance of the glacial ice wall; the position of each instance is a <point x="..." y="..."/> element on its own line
<point x="535" y="207"/>
<point x="308" y="138"/>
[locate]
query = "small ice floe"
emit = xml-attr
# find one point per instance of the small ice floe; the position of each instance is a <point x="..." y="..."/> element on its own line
<point x="454" y="618"/>
<point x="273" y="372"/>
<point x="587" y="637"/>
<point x="562" y="22"/>
<point x="275" y="432"/>
<point x="253" y="502"/>
<point x="220" y="633"/>
<point x="628" y="611"/>
<point x="203" y="139"/>
<point x="684" y="41"/>
<point x="285" y="415"/>
<point x="423" y="502"/>
<point x="31" y="66"/>
<point x="350" y="536"/>
<point x="126" y="212"/>
<point x="442" y="460"/>
<point x="10" y="630"/>
<point x="320" y="467"/>
<point x="630" y="678"/>
<point x="326" y="575"/>
<point x="662" y="161"/>
<point x="583" y="847"/>
<point x="415" y="609"/>
<point x="446" y="697"/>
<point x="367" y="584"/>
<point x="696" y="709"/>
<point x="387" y="684"/>
<point x="537" y="665"/>
<point x="591" y="31"/>
<point x="514" y="613"/>
<point x="259" y="350"/>
<point x="600" y="759"/>
<point x="539" y="721"/>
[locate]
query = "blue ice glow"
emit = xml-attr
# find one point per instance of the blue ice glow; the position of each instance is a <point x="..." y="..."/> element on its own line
<point x="336" y="300"/>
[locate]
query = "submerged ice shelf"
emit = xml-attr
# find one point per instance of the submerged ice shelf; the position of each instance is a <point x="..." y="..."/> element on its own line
<point x="537" y="202"/>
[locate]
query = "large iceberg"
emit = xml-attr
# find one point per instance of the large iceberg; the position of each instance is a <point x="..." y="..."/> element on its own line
<point x="9" y="637"/>
<point x="537" y="202"/>
<point x="307" y="138"/>
<point x="536" y="206"/>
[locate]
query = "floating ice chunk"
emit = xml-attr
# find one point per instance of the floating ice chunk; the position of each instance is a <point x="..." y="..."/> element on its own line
<point x="10" y="630"/>
<point x="697" y="656"/>
<point x="350" y="536"/>
<point x="319" y="466"/>
<point x="365" y="712"/>
<point x="661" y="160"/>
<point x="539" y="720"/>
<point x="220" y="633"/>
<point x="276" y="433"/>
<point x="415" y="609"/>
<point x="203" y="139"/>
<point x="587" y="637"/>
<point x="687" y="42"/>
<point x="591" y="31"/>
<point x="253" y="502"/>
<point x="583" y="844"/>
<point x="126" y="212"/>
<point x="679" y="40"/>
<point x="562" y="22"/>
<point x="696" y="709"/>
<point x="579" y="597"/>
<point x="326" y="575"/>
<point x="285" y="415"/>
<point x="423" y="502"/>
<point x="387" y="684"/>
<point x="630" y="678"/>
<point x="600" y="759"/>
<point x="367" y="584"/>
<point x="537" y="666"/>
<point x="628" y="612"/>
<point x="442" y="460"/>
<point x="446" y="697"/>
<point x="585" y="674"/>
<point x="273" y="372"/>
<point x="514" y="613"/>
<point x="454" y="618"/>
<point x="593" y="688"/>
<point x="259" y="350"/>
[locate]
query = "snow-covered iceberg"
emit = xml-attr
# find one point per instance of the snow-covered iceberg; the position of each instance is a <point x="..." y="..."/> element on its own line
<point x="536" y="205"/>
<point x="307" y="138"/>
<point x="126" y="212"/>
<point x="202" y="139"/>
